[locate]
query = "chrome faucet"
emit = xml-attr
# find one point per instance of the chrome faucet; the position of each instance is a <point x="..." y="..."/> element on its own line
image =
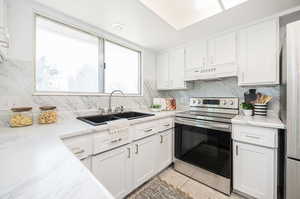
<point x="110" y="97"/>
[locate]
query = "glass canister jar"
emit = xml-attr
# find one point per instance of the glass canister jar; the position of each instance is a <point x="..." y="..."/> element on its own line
<point x="21" y="116"/>
<point x="48" y="115"/>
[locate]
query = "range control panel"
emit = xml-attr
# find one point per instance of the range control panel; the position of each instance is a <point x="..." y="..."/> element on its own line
<point x="230" y="103"/>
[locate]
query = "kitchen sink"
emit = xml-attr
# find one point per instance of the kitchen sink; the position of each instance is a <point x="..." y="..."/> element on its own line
<point x="96" y="120"/>
<point x="132" y="115"/>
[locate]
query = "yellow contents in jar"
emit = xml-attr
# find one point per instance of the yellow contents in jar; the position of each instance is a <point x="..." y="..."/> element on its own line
<point x="20" y="120"/>
<point x="48" y="117"/>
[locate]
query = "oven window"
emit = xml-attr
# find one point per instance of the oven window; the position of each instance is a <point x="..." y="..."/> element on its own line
<point x="205" y="148"/>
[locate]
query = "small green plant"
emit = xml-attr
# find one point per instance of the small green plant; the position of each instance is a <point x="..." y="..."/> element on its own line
<point x="155" y="106"/>
<point x="246" y="106"/>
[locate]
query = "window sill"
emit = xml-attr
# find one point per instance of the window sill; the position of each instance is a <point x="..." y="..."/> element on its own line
<point x="82" y="94"/>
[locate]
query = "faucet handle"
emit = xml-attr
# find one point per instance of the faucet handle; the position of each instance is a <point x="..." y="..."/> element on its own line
<point x="119" y="109"/>
<point x="101" y="110"/>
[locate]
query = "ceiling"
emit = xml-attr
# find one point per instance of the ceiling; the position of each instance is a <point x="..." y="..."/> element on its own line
<point x="132" y="20"/>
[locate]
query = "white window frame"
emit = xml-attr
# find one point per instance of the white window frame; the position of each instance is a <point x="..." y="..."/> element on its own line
<point x="101" y="61"/>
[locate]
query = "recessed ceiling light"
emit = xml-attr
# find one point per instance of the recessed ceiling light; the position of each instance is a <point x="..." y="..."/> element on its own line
<point x="118" y="26"/>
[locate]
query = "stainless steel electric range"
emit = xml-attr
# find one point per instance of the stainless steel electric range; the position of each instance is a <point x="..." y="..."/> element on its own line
<point x="203" y="146"/>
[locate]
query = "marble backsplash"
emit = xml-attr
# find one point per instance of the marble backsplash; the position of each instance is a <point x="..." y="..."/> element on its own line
<point x="16" y="90"/>
<point x="227" y="87"/>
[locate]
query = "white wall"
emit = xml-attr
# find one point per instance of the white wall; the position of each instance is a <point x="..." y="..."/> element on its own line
<point x="17" y="75"/>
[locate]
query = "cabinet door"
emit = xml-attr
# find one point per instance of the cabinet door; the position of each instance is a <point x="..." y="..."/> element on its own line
<point x="254" y="170"/>
<point x="164" y="154"/>
<point x="163" y="71"/>
<point x="113" y="170"/>
<point x="176" y="69"/>
<point x="144" y="160"/>
<point x="196" y="54"/>
<point x="258" y="54"/>
<point x="222" y="50"/>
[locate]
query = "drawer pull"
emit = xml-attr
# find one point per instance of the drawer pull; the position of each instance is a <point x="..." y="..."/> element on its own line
<point x="129" y="152"/>
<point x="77" y="151"/>
<point x="253" y="137"/>
<point x="161" y="139"/>
<point x="237" y="150"/>
<point x="148" y="130"/>
<point x="116" y="140"/>
<point x="136" y="149"/>
<point x="167" y="125"/>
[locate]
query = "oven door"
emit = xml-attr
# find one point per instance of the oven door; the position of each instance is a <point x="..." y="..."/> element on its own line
<point x="204" y="144"/>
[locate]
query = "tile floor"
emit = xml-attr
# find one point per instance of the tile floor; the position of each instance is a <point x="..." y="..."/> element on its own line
<point x="192" y="187"/>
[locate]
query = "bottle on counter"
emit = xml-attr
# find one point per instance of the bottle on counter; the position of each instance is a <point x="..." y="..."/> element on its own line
<point x="48" y="115"/>
<point x="21" y="116"/>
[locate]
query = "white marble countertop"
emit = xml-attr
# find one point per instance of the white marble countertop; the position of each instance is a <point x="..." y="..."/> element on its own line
<point x="36" y="164"/>
<point x="271" y="121"/>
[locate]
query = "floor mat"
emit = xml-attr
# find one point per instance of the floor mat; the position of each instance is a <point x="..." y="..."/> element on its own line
<point x="158" y="189"/>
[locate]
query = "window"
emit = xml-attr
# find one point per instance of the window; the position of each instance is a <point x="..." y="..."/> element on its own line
<point x="121" y="68"/>
<point x="69" y="60"/>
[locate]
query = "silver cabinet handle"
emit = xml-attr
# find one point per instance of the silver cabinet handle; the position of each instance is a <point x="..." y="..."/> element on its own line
<point x="237" y="150"/>
<point x="136" y="149"/>
<point x="161" y="139"/>
<point x="166" y="125"/>
<point x="254" y="137"/>
<point x="77" y="151"/>
<point x="148" y="130"/>
<point x="116" y="140"/>
<point x="129" y="152"/>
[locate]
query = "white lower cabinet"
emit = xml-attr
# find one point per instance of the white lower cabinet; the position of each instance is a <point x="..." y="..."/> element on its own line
<point x="164" y="155"/>
<point x="113" y="169"/>
<point x="255" y="165"/>
<point x="144" y="160"/>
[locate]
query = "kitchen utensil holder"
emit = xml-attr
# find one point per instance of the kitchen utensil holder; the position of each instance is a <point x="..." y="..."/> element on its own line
<point x="261" y="110"/>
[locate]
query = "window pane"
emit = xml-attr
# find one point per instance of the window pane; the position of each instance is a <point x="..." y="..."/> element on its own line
<point x="122" y="70"/>
<point x="66" y="58"/>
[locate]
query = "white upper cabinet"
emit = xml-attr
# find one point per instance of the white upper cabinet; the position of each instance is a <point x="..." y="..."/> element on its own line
<point x="222" y="50"/>
<point x="215" y="58"/>
<point x="222" y="59"/>
<point x="195" y="60"/>
<point x="258" y="54"/>
<point x="196" y="55"/>
<point x="170" y="70"/>
<point x="176" y="69"/>
<point x="163" y="71"/>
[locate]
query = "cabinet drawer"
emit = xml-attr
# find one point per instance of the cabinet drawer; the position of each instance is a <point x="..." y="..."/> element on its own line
<point x="256" y="135"/>
<point x="144" y="130"/>
<point x="165" y="124"/>
<point x="104" y="141"/>
<point x="80" y="146"/>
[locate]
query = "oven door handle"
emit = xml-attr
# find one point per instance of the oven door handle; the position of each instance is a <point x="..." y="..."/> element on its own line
<point x="204" y="124"/>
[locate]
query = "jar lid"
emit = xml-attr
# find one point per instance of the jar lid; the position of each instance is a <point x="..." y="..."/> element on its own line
<point x="47" y="108"/>
<point x="21" y="109"/>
